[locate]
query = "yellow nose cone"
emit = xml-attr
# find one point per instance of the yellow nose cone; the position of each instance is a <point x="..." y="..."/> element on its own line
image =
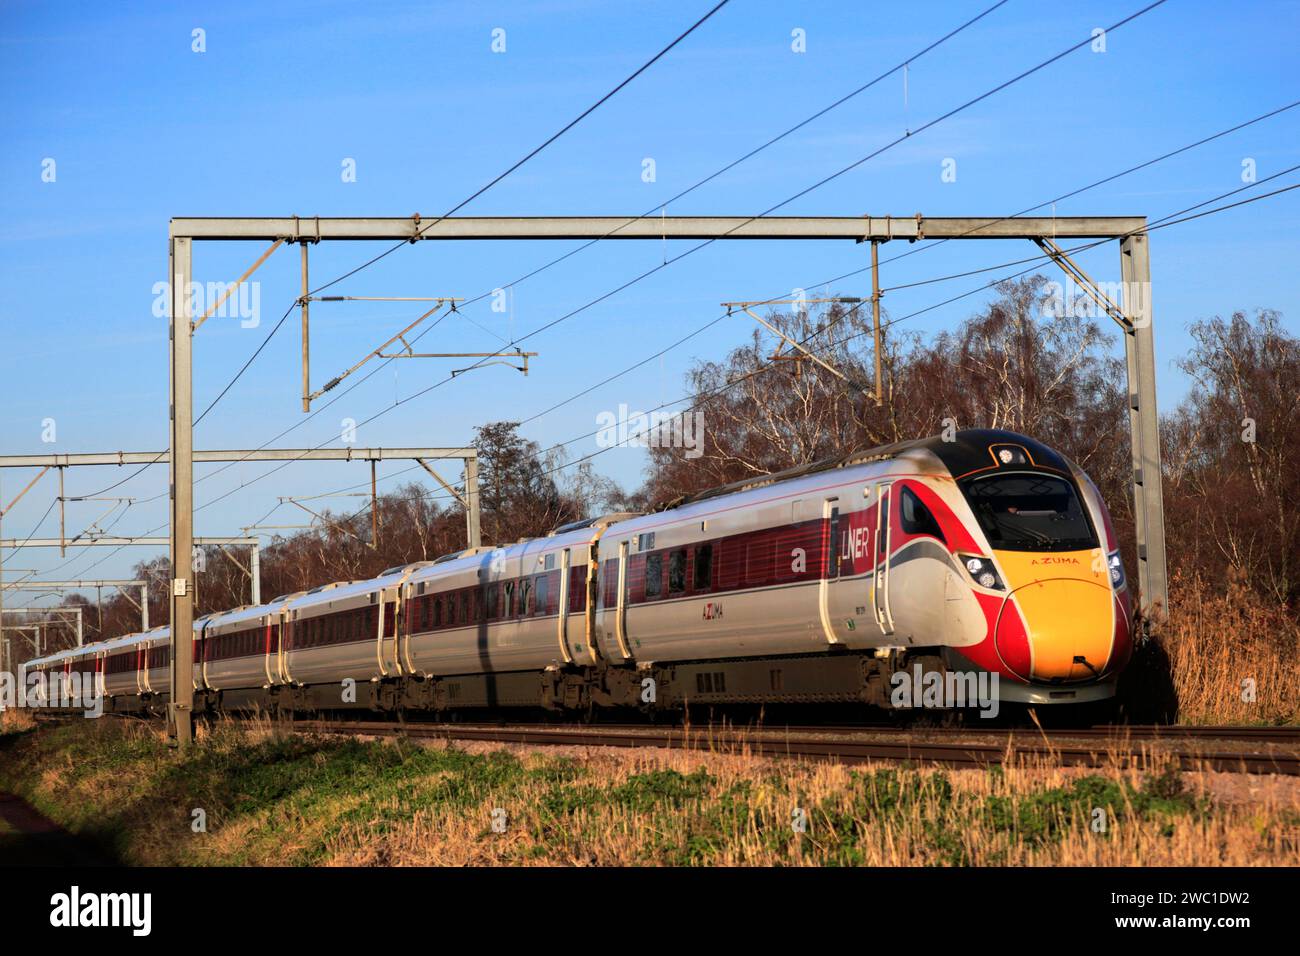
<point x="1068" y="609"/>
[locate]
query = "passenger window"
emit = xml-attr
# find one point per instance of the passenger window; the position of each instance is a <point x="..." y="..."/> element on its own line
<point x="677" y="571"/>
<point x="833" y="552"/>
<point x="654" y="575"/>
<point x="578" y="588"/>
<point x="758" y="562"/>
<point x="788" y="544"/>
<point x="492" y="602"/>
<point x="703" y="567"/>
<point x="917" y="518"/>
<point x="543" y="593"/>
<point x="730" y="560"/>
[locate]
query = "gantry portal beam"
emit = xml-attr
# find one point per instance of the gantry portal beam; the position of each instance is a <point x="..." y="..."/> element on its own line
<point x="58" y="609"/>
<point x="121" y="584"/>
<point x="233" y="454"/>
<point x="857" y="228"/>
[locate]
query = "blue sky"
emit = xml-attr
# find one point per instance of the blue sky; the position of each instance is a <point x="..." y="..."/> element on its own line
<point x="142" y="128"/>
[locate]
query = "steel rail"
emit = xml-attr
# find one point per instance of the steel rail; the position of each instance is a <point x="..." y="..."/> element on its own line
<point x="834" y="747"/>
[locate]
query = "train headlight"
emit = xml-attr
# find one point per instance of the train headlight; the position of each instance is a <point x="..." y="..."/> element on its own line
<point x="1116" y="569"/>
<point x="982" y="572"/>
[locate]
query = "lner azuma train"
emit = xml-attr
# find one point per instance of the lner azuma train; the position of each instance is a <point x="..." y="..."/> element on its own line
<point x="989" y="554"/>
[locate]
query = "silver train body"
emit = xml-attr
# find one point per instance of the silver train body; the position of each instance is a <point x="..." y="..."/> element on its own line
<point x="821" y="584"/>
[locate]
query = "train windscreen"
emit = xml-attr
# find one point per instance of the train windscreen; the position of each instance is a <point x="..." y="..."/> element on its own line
<point x="1029" y="512"/>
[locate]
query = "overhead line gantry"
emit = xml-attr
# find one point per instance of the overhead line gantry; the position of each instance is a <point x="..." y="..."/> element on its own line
<point x="1135" y="317"/>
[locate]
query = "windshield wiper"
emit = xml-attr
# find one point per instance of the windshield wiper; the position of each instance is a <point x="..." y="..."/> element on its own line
<point x="1020" y="530"/>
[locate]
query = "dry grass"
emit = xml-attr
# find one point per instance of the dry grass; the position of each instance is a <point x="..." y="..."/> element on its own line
<point x="16" y="720"/>
<point x="1214" y="650"/>
<point x="314" y="801"/>
<point x="680" y="808"/>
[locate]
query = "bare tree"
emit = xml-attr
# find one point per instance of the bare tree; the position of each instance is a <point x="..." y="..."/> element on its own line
<point x="1232" y="466"/>
<point x="1016" y="364"/>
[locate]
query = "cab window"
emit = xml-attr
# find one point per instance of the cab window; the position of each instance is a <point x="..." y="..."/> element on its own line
<point x="1028" y="511"/>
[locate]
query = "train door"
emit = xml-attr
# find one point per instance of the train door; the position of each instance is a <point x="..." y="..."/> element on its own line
<point x="287" y="627"/>
<point x="408" y="626"/>
<point x="198" y="656"/>
<point x="269" y="663"/>
<point x="142" y="667"/>
<point x="883" y="547"/>
<point x="201" y="654"/>
<point x="830" y="566"/>
<point x="620" y="613"/>
<point x="389" y="666"/>
<point x="562" y="607"/>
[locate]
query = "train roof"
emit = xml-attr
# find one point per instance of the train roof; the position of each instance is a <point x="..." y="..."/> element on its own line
<point x="154" y="633"/>
<point x="242" y="613"/>
<point x="879" y="453"/>
<point x="122" y="640"/>
<point x="973" y="449"/>
<point x="478" y="558"/>
<point x="51" y="658"/>
<point x="969" y="450"/>
<point x="342" y="589"/>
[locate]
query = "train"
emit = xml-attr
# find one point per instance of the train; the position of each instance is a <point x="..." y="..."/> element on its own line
<point x="980" y="554"/>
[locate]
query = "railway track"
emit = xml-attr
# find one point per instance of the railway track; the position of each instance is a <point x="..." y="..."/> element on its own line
<point x="1280" y="735"/>
<point x="959" y="747"/>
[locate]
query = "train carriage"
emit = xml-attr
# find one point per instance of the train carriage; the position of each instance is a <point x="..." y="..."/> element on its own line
<point x="121" y="671"/>
<point x="332" y="634"/>
<point x="517" y="608"/>
<point x="236" y="652"/>
<point x="155" y="666"/>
